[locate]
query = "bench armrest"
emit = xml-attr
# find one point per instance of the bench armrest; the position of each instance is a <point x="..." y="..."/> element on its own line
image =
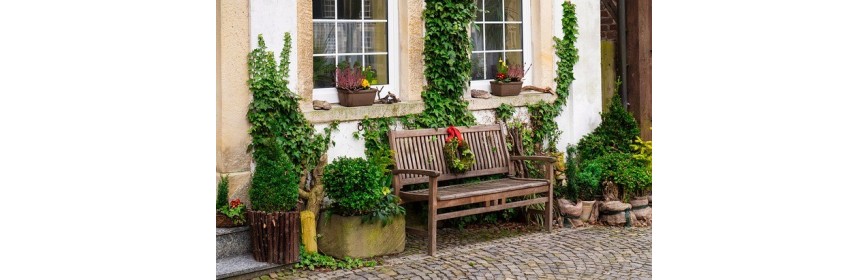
<point x="429" y="173"/>
<point x="536" y="158"/>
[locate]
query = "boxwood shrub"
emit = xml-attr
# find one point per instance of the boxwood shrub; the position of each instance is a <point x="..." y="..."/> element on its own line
<point x="274" y="186"/>
<point x="355" y="185"/>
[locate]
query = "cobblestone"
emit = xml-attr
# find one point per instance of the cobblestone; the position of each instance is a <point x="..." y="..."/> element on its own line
<point x="580" y="253"/>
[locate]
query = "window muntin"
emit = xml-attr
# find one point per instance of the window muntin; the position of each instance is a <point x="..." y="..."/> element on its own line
<point x="497" y="34"/>
<point x="355" y="32"/>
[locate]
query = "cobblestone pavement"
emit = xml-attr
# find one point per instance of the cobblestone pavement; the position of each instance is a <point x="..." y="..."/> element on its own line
<point x="582" y="253"/>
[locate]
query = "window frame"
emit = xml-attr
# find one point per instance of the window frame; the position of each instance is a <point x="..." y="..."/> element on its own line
<point x="526" y="45"/>
<point x="331" y="94"/>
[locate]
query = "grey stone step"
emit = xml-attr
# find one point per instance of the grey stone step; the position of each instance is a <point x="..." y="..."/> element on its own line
<point x="232" y="241"/>
<point x="238" y="267"/>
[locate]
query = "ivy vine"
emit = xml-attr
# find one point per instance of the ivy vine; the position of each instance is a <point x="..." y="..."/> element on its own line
<point x="274" y="114"/>
<point x="447" y="64"/>
<point x="542" y="115"/>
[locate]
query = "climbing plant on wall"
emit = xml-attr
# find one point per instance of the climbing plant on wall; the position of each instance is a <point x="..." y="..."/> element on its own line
<point x="542" y="115"/>
<point x="447" y="63"/>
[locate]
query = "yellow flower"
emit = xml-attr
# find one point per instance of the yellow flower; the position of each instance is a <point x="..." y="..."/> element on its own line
<point x="386" y="191"/>
<point x="365" y="83"/>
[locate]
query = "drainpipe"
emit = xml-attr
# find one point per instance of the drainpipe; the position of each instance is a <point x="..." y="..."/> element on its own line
<point x="622" y="41"/>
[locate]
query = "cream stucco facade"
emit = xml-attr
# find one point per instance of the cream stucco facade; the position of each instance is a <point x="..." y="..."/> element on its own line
<point x="240" y="21"/>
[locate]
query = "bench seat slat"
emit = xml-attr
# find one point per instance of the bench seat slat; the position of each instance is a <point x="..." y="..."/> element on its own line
<point x="478" y="188"/>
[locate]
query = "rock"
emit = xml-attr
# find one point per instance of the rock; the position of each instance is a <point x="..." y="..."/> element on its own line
<point x="616" y="219"/>
<point x="649" y="200"/>
<point x="613" y="206"/>
<point x="569" y="209"/>
<point x="478" y="93"/>
<point x="321" y="105"/>
<point x="639" y="201"/>
<point x="643" y="214"/>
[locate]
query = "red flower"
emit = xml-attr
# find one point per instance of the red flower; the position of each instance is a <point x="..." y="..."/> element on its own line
<point x="500" y="76"/>
<point x="235" y="203"/>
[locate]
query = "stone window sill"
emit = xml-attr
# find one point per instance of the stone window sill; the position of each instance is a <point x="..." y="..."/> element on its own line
<point x="341" y="113"/>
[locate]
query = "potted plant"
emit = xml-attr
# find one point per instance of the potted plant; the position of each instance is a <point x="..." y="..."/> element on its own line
<point x="364" y="219"/>
<point x="508" y="80"/>
<point x="354" y="86"/>
<point x="274" y="221"/>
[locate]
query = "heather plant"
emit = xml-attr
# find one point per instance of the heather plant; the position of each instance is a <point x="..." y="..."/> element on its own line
<point x="351" y="78"/>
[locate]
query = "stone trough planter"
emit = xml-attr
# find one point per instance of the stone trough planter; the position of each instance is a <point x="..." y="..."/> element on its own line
<point x="349" y="237"/>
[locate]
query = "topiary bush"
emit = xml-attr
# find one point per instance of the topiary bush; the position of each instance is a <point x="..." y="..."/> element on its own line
<point x="223" y="192"/>
<point x="355" y="185"/>
<point x="274" y="186"/>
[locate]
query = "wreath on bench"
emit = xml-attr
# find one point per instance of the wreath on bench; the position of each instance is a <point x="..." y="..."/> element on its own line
<point x="459" y="157"/>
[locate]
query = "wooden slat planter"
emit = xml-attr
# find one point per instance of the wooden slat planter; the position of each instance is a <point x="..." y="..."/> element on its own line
<point x="419" y="159"/>
<point x="275" y="237"/>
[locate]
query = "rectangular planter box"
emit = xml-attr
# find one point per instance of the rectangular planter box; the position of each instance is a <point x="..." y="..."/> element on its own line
<point x="505" y="89"/>
<point x="275" y="237"/>
<point x="348" y="236"/>
<point x="356" y="98"/>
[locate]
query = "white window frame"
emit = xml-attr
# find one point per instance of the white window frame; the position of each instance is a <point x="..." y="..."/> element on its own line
<point x="331" y="94"/>
<point x="527" y="50"/>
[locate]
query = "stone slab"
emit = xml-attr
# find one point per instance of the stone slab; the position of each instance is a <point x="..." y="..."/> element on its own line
<point x="239" y="265"/>
<point x="232" y="241"/>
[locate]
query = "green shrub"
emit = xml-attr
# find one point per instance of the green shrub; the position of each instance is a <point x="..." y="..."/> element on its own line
<point x="628" y="173"/>
<point x="274" y="186"/>
<point x="358" y="187"/>
<point x="618" y="128"/>
<point x="223" y="192"/>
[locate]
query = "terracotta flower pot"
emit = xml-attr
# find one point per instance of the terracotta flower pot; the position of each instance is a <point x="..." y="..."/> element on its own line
<point x="505" y="89"/>
<point x="224" y="221"/>
<point x="356" y="98"/>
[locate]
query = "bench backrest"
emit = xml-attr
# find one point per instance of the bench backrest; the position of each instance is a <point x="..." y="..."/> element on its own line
<point x="423" y="149"/>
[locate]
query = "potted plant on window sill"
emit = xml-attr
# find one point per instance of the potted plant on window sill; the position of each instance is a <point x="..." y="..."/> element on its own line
<point x="508" y="80"/>
<point x="354" y="86"/>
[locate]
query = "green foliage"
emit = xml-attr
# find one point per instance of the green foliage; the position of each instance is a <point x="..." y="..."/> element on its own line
<point x="274" y="186"/>
<point x="642" y="151"/>
<point x="223" y="192"/>
<point x="376" y="133"/>
<point x="459" y="158"/>
<point x="545" y="130"/>
<point x="274" y="114"/>
<point x="447" y="63"/>
<point x="504" y="112"/>
<point x="311" y="261"/>
<point x="359" y="187"/>
<point x="605" y="155"/>
<point x="621" y="168"/>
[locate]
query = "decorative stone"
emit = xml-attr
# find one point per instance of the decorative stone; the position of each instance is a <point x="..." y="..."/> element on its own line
<point x="569" y="209"/>
<point x="349" y="237"/>
<point x="478" y="93"/>
<point x="613" y="206"/>
<point x="321" y="105"/>
<point x="643" y="214"/>
<point x="617" y="219"/>
<point x="639" y="201"/>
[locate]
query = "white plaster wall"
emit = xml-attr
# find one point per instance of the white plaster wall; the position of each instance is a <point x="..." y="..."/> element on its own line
<point x="272" y="18"/>
<point x="582" y="112"/>
<point x="345" y="144"/>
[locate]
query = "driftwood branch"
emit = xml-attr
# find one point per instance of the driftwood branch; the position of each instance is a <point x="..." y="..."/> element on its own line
<point x="539" y="89"/>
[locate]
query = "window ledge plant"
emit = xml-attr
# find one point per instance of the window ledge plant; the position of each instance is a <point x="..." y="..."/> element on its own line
<point x="354" y="85"/>
<point x="508" y="80"/>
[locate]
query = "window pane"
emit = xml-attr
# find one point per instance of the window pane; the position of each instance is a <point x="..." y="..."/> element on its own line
<point x="491" y="64"/>
<point x="376" y="9"/>
<point x="513" y="36"/>
<point x="323" y="71"/>
<point x="513" y="10"/>
<point x="349" y="38"/>
<point x="476" y="37"/>
<point x="380" y="65"/>
<point x="478" y="62"/>
<point x="349" y="61"/>
<point x="376" y="37"/>
<point x="323" y="37"/>
<point x="513" y="58"/>
<point x="349" y="9"/>
<point x="479" y="10"/>
<point x="494" y="36"/>
<point x="323" y="9"/>
<point x="493" y="10"/>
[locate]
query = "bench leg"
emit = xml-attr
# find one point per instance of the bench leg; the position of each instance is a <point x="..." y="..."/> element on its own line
<point x="548" y="214"/>
<point x="432" y="217"/>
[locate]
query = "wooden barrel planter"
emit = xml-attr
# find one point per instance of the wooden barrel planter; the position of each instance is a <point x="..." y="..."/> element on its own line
<point x="275" y="237"/>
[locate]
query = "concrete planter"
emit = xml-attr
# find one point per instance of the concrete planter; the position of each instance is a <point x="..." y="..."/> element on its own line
<point x="357" y="97"/>
<point x="505" y="89"/>
<point x="348" y="236"/>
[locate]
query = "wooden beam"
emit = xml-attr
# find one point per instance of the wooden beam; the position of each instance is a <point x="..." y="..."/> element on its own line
<point x="473" y="211"/>
<point x="638" y="21"/>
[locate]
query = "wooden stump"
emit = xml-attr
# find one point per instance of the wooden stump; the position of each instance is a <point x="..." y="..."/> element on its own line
<point x="275" y="236"/>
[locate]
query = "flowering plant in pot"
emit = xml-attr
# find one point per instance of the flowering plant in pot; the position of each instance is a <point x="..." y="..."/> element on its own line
<point x="354" y="85"/>
<point x="229" y="214"/>
<point x="508" y="80"/>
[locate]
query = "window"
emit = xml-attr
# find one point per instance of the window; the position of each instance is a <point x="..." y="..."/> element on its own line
<point x="498" y="34"/>
<point x="353" y="32"/>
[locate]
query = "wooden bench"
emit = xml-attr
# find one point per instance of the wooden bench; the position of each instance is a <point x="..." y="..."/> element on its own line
<point x="419" y="159"/>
